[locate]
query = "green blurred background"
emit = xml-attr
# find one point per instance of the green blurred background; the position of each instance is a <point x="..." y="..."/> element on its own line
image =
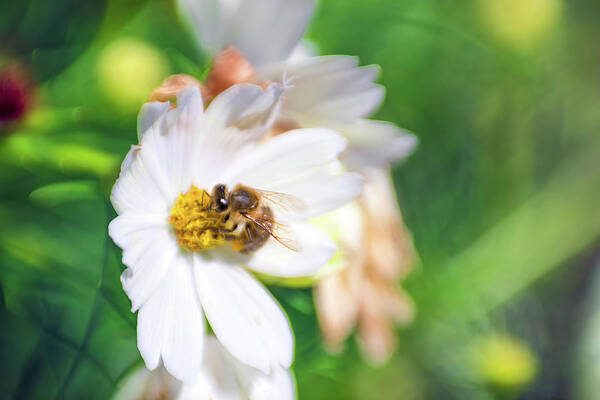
<point x="502" y="195"/>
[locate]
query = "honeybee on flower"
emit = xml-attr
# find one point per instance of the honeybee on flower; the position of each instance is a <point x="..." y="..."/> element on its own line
<point x="178" y="192"/>
<point x="259" y="42"/>
<point x="243" y="216"/>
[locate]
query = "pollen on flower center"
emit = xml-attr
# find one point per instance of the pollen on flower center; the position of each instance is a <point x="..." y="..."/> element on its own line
<point x="196" y="226"/>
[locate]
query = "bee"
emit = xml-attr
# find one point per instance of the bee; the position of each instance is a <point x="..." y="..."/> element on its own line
<point x="248" y="218"/>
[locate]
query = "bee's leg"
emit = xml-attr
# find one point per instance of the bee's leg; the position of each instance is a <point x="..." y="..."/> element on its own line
<point x="243" y="241"/>
<point x="249" y="235"/>
<point x="228" y="230"/>
<point x="230" y="238"/>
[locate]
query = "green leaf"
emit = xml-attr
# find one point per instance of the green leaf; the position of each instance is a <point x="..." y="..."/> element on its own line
<point x="76" y="332"/>
<point x="56" y="194"/>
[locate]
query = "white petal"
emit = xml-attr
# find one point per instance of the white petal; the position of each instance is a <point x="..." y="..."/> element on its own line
<point x="309" y="66"/>
<point x="146" y="243"/>
<point x="135" y="190"/>
<point x="171" y="326"/>
<point x="217" y="379"/>
<point x="128" y="229"/>
<point x="129" y="157"/>
<point x="149" y="114"/>
<point x="238" y="117"/>
<point x="242" y="107"/>
<point x="207" y="20"/>
<point x="321" y="191"/>
<point x="305" y="49"/>
<point x="316" y="249"/>
<point x="189" y="113"/>
<point x="149" y="269"/>
<point x="144" y="384"/>
<point x="225" y="378"/>
<point x="148" y="249"/>
<point x="331" y="88"/>
<point x="278" y="385"/>
<point x="298" y="163"/>
<point x="375" y="143"/>
<point x="245" y="318"/>
<point x="168" y="148"/>
<point x="285" y="157"/>
<point x="265" y="31"/>
<point x="154" y="173"/>
<point x="134" y="385"/>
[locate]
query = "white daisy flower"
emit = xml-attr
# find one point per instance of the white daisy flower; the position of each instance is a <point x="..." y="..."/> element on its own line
<point x="222" y="377"/>
<point x="328" y="91"/>
<point x="200" y="201"/>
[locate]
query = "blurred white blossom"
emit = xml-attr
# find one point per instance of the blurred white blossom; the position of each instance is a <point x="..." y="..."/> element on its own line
<point x="221" y="377"/>
<point x="259" y="42"/>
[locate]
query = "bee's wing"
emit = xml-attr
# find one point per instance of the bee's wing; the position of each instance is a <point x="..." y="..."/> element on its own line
<point x="278" y="231"/>
<point x="284" y="202"/>
<point x="284" y="235"/>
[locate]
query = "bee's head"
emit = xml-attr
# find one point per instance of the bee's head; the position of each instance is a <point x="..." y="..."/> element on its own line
<point x="219" y="200"/>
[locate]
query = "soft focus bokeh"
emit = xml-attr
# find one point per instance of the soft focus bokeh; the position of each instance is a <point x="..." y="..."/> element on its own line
<point x="502" y="196"/>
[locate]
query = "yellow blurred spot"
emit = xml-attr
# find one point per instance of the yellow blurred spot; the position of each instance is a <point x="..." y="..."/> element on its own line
<point x="505" y="362"/>
<point x="520" y="24"/>
<point x="128" y="70"/>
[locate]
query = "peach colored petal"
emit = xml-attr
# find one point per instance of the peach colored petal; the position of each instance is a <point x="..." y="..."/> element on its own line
<point x="281" y="126"/>
<point x="367" y="292"/>
<point x="336" y="310"/>
<point x="229" y="67"/>
<point x="389" y="246"/>
<point x="376" y="337"/>
<point x="167" y="91"/>
<point x="383" y="299"/>
<point x="397" y="305"/>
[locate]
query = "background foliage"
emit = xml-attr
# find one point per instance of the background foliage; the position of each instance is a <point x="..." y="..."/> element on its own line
<point x="502" y="196"/>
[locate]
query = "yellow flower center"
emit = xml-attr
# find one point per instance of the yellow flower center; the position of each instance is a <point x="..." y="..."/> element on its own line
<point x="196" y="226"/>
